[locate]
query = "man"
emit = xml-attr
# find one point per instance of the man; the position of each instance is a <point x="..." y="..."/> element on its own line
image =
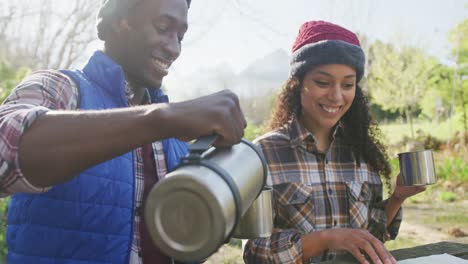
<point x="80" y="149"/>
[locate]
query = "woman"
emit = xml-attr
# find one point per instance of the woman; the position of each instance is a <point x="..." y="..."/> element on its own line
<point x="325" y="160"/>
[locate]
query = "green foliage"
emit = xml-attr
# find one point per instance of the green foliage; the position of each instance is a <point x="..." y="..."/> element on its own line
<point x="3" y="220"/>
<point x="458" y="37"/>
<point x="436" y="104"/>
<point x="401" y="242"/>
<point x="10" y="77"/>
<point x="406" y="80"/>
<point x="428" y="141"/>
<point x="448" y="167"/>
<point x="394" y="165"/>
<point x="397" y="77"/>
<point x="452" y="219"/>
<point x="396" y="132"/>
<point x="234" y="242"/>
<point x="383" y="115"/>
<point x="447" y="197"/>
<point x="252" y="131"/>
<point x="453" y="169"/>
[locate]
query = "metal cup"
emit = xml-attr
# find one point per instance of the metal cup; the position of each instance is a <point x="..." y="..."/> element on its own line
<point x="417" y="168"/>
<point x="258" y="220"/>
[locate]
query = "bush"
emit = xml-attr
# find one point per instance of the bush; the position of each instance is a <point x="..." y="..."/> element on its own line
<point x="251" y="132"/>
<point x="426" y="141"/>
<point x="429" y="142"/>
<point x="447" y="197"/>
<point x="453" y="169"/>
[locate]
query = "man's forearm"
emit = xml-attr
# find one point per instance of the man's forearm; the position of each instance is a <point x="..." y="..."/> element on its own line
<point x="61" y="144"/>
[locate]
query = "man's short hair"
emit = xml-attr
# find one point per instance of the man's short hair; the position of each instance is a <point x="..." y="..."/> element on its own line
<point x="112" y="9"/>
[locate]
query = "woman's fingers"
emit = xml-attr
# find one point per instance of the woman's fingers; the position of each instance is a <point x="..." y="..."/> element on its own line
<point x="374" y="249"/>
<point x="358" y="256"/>
<point x="360" y="243"/>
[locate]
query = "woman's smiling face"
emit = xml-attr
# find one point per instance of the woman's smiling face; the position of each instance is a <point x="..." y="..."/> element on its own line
<point x="326" y="95"/>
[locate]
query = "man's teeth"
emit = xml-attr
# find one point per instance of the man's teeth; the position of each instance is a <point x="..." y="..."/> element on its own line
<point x="330" y="109"/>
<point x="161" y="64"/>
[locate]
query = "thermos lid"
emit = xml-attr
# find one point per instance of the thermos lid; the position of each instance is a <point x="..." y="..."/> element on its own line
<point x="193" y="225"/>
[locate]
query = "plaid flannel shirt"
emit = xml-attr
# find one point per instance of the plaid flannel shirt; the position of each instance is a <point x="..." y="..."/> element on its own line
<point x="314" y="191"/>
<point x="52" y="90"/>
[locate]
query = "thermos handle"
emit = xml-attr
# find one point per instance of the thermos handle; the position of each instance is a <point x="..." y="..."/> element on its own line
<point x="202" y="144"/>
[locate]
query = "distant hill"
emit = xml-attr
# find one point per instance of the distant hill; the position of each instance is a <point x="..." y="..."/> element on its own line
<point x="263" y="75"/>
<point x="260" y="78"/>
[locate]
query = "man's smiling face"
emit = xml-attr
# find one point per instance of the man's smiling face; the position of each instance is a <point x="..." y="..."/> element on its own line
<point x="152" y="40"/>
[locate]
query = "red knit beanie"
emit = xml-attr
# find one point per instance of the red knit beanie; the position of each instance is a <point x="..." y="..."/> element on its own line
<point x="320" y="42"/>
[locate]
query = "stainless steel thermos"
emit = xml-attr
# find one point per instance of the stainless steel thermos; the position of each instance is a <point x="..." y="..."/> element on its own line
<point x="196" y="208"/>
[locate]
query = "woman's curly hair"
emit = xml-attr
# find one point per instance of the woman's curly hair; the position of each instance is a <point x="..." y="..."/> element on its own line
<point x="362" y="134"/>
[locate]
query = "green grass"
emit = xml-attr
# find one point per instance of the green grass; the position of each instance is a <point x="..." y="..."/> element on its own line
<point x="436" y="213"/>
<point x="395" y="132"/>
<point x="450" y="219"/>
<point x="401" y="242"/>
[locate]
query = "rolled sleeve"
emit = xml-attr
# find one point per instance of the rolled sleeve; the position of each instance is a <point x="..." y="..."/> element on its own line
<point x="283" y="246"/>
<point x="14" y="120"/>
<point x="378" y="222"/>
<point x="36" y="95"/>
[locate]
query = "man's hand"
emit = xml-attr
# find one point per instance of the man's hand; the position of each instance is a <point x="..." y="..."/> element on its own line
<point x="61" y="144"/>
<point x="218" y="113"/>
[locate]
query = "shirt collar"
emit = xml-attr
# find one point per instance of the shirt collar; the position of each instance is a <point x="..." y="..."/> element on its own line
<point x="299" y="135"/>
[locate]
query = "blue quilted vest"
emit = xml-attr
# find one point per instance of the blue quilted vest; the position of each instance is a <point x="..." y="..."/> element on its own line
<point x="88" y="219"/>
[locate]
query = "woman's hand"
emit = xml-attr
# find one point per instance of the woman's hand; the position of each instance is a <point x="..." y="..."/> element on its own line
<point x="402" y="192"/>
<point x="357" y="242"/>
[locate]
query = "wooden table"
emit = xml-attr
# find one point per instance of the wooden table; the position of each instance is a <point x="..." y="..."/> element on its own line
<point x="457" y="248"/>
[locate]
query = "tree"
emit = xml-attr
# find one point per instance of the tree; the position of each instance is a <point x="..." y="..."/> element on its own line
<point x="437" y="100"/>
<point x="398" y="77"/>
<point x="458" y="37"/>
<point x="47" y="33"/>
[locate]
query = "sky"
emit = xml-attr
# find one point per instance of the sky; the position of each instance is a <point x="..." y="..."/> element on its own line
<point x="237" y="32"/>
<point x="234" y="33"/>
